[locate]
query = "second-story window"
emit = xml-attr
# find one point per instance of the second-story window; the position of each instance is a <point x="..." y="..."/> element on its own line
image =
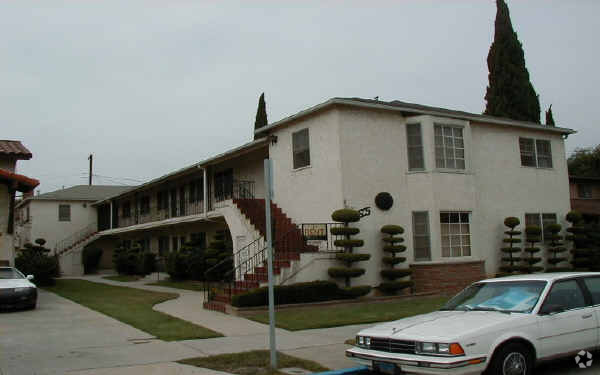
<point x="414" y="145"/>
<point x="64" y="212"/>
<point x="127" y="209"/>
<point x="301" y="149"/>
<point x="145" y="205"/>
<point x="535" y="153"/>
<point x="449" y="147"/>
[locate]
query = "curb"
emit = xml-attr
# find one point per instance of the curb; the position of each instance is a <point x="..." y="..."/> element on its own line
<point x="345" y="371"/>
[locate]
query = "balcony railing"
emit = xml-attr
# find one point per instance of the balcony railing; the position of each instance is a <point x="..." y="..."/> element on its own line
<point x="182" y="206"/>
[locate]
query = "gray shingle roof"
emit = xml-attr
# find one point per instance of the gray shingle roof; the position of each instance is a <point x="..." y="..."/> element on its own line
<point x="14" y="149"/>
<point x="83" y="193"/>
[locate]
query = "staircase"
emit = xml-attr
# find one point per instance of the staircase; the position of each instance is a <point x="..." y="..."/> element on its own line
<point x="288" y="244"/>
<point x="69" y="250"/>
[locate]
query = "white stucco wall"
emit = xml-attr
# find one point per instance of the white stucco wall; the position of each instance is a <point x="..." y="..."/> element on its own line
<point x="248" y="167"/>
<point x="309" y="194"/>
<point x="45" y="223"/>
<point x="6" y="240"/>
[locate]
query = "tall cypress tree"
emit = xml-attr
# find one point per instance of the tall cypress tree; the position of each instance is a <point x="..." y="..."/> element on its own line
<point x="509" y="93"/>
<point x="261" y="114"/>
<point x="549" y="117"/>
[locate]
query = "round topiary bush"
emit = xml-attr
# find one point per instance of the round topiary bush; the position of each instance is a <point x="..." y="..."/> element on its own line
<point x="392" y="261"/>
<point x="533" y="235"/>
<point x="349" y="243"/>
<point x="384" y="201"/>
<point x="511" y="249"/>
<point x="356" y="291"/>
<point x="346" y="215"/>
<point x="350" y="257"/>
<point x="395" y="273"/>
<point x="345" y="272"/>
<point x="392" y="229"/>
<point x="555" y="248"/>
<point x="392" y="286"/>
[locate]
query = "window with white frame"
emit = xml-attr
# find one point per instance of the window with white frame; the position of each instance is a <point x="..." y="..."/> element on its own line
<point x="449" y="147"/>
<point x="542" y="220"/>
<point x="456" y="234"/>
<point x="414" y="145"/>
<point x="421" y="240"/>
<point x="301" y="149"/>
<point x="64" y="212"/>
<point x="535" y="153"/>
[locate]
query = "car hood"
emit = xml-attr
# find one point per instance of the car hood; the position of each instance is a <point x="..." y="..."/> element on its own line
<point x="442" y="326"/>
<point x="16" y="283"/>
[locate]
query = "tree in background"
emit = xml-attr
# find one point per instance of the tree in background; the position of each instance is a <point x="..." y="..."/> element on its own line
<point x="509" y="93"/>
<point x="393" y="246"/>
<point x="585" y="162"/>
<point x="550" y="117"/>
<point x="261" y="114"/>
<point x="510" y="247"/>
<point x="533" y="235"/>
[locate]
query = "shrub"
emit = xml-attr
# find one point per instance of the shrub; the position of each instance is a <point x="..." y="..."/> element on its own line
<point x="315" y="291"/>
<point x="349" y="243"/>
<point x="90" y="257"/>
<point x="34" y="260"/>
<point x="394" y="273"/>
<point x="345" y="272"/>
<point x="392" y="229"/>
<point x="532" y="236"/>
<point x="392" y="286"/>
<point x="346" y="216"/>
<point x="555" y="248"/>
<point x="512" y="250"/>
<point x="177" y="265"/>
<point x="147" y="262"/>
<point x="126" y="259"/>
<point x="392" y="261"/>
<point x="349" y="257"/>
<point x="356" y="291"/>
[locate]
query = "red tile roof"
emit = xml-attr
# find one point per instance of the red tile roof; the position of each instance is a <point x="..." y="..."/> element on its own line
<point x="14" y="149"/>
<point x="24" y="183"/>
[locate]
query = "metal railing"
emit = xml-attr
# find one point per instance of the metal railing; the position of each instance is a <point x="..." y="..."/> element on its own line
<point x="75" y="238"/>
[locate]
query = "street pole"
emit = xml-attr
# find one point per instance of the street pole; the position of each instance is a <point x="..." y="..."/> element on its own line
<point x="91" y="158"/>
<point x="268" y="193"/>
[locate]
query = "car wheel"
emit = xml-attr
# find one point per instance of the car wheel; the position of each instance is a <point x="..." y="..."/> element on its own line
<point x="511" y="359"/>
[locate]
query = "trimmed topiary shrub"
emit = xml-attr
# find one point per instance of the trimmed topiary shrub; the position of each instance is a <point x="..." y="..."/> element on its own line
<point x="219" y="253"/>
<point x="347" y="216"/>
<point x="532" y="236"/>
<point x="392" y="241"/>
<point x="384" y="201"/>
<point x="90" y="257"/>
<point x="555" y="249"/>
<point x="582" y="255"/>
<point x="34" y="260"/>
<point x="510" y="251"/>
<point x="355" y="291"/>
<point x="178" y="266"/>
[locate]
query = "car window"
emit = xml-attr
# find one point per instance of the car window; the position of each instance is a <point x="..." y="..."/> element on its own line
<point x="9" y="273"/>
<point x="593" y="285"/>
<point x="566" y="294"/>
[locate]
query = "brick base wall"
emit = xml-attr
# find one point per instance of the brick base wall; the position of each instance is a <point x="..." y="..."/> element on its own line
<point x="446" y="278"/>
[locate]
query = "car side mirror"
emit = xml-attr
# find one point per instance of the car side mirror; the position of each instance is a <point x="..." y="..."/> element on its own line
<point x="551" y="309"/>
<point x="30" y="277"/>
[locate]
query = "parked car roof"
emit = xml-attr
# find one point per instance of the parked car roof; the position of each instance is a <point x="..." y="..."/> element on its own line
<point x="543" y="276"/>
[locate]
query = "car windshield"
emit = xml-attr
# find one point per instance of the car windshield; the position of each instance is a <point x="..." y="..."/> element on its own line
<point x="503" y="296"/>
<point x="10" y="273"/>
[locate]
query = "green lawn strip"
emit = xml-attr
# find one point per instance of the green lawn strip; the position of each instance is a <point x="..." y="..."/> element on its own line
<point x="133" y="307"/>
<point x="122" y="278"/>
<point x="184" y="284"/>
<point x="295" y="319"/>
<point x="256" y="362"/>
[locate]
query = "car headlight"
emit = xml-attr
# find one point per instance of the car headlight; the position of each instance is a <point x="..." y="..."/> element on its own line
<point x="24" y="289"/>
<point x="363" y="341"/>
<point x="444" y="349"/>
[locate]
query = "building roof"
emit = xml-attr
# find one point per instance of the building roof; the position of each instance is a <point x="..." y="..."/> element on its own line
<point x="14" y="149"/>
<point x="24" y="183"/>
<point x="412" y="109"/>
<point x="245" y="148"/>
<point x="83" y="193"/>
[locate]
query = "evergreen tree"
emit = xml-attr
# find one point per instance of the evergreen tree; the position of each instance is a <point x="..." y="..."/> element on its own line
<point x="509" y="93"/>
<point x="549" y="117"/>
<point x="261" y="114"/>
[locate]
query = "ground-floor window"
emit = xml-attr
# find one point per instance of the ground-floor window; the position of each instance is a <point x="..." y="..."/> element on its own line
<point x="421" y="240"/>
<point x="542" y="220"/>
<point x="456" y="234"/>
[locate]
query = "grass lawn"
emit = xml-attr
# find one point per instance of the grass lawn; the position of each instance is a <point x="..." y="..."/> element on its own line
<point x="295" y="319"/>
<point x="183" y="284"/>
<point x="256" y="362"/>
<point x="122" y="278"/>
<point x="131" y="306"/>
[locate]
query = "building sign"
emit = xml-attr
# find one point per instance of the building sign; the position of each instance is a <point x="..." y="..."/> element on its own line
<point x="314" y="232"/>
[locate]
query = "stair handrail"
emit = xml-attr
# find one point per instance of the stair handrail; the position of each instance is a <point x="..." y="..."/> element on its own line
<point x="75" y="237"/>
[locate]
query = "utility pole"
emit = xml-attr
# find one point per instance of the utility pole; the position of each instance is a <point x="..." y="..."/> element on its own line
<point x="268" y="194"/>
<point x="91" y="158"/>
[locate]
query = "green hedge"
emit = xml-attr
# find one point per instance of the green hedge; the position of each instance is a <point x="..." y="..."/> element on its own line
<point x="314" y="291"/>
<point x="90" y="257"/>
<point x="395" y="273"/>
<point x="394" y="248"/>
<point x="345" y="215"/>
<point x="392" y="261"/>
<point x="392" y="229"/>
<point x="351" y="257"/>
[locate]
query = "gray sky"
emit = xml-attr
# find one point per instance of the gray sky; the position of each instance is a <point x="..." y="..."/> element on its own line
<point x="151" y="86"/>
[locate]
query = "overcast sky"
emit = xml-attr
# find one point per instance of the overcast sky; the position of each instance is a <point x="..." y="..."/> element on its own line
<point x="151" y="86"/>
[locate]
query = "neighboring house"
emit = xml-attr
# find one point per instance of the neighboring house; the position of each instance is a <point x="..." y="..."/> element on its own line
<point x="585" y="195"/>
<point x="10" y="183"/>
<point x="62" y="215"/>
<point x="454" y="177"/>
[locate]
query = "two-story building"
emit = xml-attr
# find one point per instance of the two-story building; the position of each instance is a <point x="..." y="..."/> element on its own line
<point x="585" y="196"/>
<point x="10" y="184"/>
<point x="454" y="176"/>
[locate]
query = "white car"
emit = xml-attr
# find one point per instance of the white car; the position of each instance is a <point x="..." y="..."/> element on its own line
<point x="503" y="326"/>
<point x="16" y="290"/>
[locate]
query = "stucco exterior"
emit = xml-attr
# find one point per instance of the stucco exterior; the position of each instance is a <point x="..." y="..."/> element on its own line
<point x="6" y="239"/>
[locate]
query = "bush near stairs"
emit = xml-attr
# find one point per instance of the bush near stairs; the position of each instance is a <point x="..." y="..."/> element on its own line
<point x="34" y="260"/>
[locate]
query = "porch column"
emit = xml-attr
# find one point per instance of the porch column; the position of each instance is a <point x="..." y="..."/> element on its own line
<point x="111" y="215"/>
<point x="205" y="191"/>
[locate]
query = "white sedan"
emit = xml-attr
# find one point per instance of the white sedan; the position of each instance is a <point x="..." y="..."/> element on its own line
<point x="16" y="290"/>
<point x="503" y="326"/>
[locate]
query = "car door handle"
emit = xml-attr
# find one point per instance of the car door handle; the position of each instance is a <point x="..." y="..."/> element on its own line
<point x="586" y="316"/>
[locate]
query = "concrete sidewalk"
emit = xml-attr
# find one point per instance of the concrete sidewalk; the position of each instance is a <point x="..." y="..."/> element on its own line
<point x="325" y="346"/>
